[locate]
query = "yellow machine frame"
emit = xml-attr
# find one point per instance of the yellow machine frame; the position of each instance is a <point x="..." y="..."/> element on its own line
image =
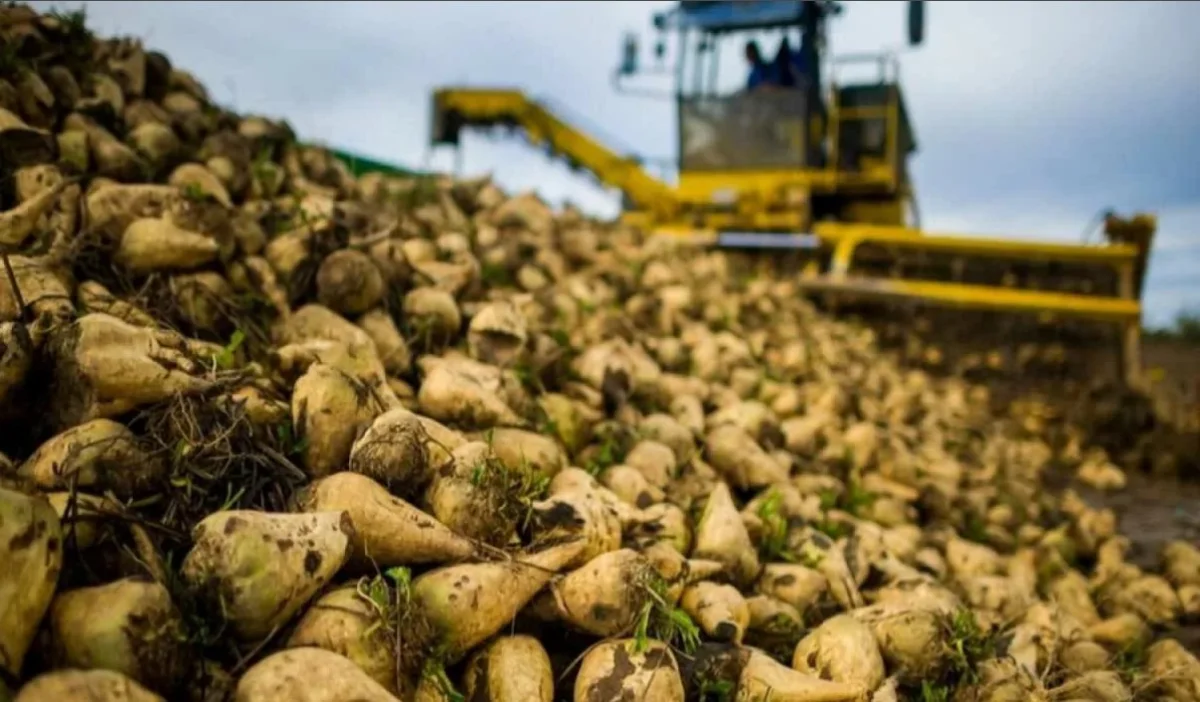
<point x="767" y="200"/>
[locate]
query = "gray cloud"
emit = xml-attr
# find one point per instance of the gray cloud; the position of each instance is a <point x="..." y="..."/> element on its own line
<point x="1031" y="116"/>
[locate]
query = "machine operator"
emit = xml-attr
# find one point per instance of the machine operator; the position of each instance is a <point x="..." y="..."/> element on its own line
<point x="791" y="66"/>
<point x="762" y="74"/>
<point x="787" y="70"/>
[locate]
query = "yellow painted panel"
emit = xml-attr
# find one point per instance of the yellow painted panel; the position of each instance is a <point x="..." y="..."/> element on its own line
<point x="889" y="212"/>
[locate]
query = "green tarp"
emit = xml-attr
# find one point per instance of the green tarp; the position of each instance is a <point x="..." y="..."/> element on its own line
<point x="361" y="165"/>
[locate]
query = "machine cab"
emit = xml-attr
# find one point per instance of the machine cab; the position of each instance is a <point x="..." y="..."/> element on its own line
<point x="808" y="138"/>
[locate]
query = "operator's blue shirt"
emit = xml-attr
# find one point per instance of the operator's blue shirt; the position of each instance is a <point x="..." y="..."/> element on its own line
<point x="799" y="62"/>
<point x="760" y="74"/>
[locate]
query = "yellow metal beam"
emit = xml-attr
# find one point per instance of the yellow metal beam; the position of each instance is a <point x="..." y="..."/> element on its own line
<point x="543" y="126"/>
<point x="704" y="187"/>
<point x="975" y="245"/>
<point x="1108" y="309"/>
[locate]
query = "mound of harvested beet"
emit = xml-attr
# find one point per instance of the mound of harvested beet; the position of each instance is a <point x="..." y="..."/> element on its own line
<point x="272" y="432"/>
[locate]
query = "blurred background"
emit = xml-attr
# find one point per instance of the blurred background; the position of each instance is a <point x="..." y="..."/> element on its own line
<point x="1030" y="116"/>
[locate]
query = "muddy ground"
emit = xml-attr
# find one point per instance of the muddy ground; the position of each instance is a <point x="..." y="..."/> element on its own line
<point x="1152" y="511"/>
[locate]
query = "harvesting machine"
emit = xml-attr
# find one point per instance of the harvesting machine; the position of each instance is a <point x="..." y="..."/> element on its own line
<point x="821" y="169"/>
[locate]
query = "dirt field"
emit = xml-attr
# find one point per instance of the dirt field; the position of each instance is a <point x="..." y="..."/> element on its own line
<point x="1155" y="510"/>
<point x="1151" y="512"/>
<point x="1173" y="368"/>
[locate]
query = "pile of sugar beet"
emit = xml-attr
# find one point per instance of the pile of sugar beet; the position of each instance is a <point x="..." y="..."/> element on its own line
<point x="272" y="432"/>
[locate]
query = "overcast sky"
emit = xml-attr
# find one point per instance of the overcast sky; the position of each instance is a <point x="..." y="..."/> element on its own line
<point x="1030" y="116"/>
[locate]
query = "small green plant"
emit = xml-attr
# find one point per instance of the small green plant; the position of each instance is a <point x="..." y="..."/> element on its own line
<point x="421" y="332"/>
<point x="543" y="423"/>
<point x="710" y="690"/>
<point x="609" y="453"/>
<point x="195" y="193"/>
<point x="198" y="630"/>
<point x="831" y="528"/>
<point x="934" y="692"/>
<point x="967" y="644"/>
<point x="659" y="619"/>
<point x="810" y="555"/>
<point x="390" y="595"/>
<point x="778" y="637"/>
<point x="1130" y="663"/>
<point x="224" y="359"/>
<point x="528" y="376"/>
<point x="856" y="498"/>
<point x="232" y="497"/>
<point x="259" y="167"/>
<point x="560" y="337"/>
<point x="637" y="268"/>
<point x="435" y="670"/>
<point x="386" y="593"/>
<point x="521" y="487"/>
<point x="286" y="435"/>
<point x="74" y="34"/>
<point x="11" y="62"/>
<point x="853" y="500"/>
<point x="495" y="276"/>
<point x="773" y="545"/>
<point x="974" y="528"/>
<point x="290" y="217"/>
